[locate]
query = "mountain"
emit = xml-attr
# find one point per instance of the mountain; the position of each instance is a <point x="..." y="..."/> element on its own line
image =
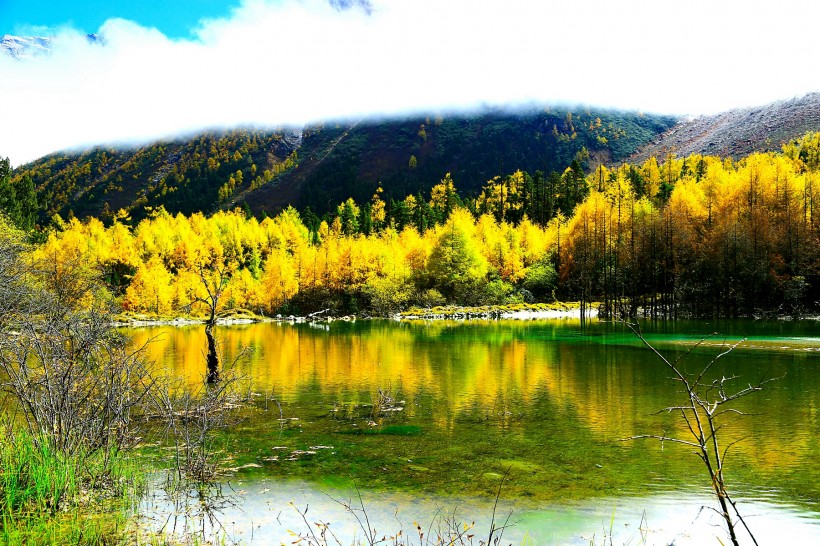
<point x="739" y="132"/>
<point x="341" y="161"/>
<point x="25" y="47"/>
<point x="322" y="165"/>
<point x="184" y="175"/>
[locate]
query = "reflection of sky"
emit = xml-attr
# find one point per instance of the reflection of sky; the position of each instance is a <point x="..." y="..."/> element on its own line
<point x="262" y="514"/>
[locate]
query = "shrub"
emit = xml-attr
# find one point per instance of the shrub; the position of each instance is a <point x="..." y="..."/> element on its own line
<point x="388" y="295"/>
<point x="540" y="281"/>
<point x="430" y="298"/>
<point x="496" y="292"/>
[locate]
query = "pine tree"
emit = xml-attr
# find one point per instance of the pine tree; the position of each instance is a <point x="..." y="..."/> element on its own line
<point x="26" y="197"/>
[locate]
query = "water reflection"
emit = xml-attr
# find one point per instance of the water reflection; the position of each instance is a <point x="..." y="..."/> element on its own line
<point x="549" y="398"/>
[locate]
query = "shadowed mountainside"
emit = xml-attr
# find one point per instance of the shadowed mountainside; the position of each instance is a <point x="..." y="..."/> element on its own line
<point x="322" y="165"/>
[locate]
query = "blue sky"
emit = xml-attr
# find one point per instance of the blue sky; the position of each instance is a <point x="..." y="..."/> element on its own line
<point x="174" y="67"/>
<point x="174" y="18"/>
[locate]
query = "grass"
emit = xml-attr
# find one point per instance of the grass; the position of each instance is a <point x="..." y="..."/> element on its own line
<point x="49" y="498"/>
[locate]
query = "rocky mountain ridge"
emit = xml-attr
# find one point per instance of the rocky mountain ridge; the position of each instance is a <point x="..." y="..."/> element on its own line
<point x="739" y="132"/>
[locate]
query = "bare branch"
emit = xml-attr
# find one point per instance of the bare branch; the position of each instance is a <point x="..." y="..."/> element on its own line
<point x="693" y="347"/>
<point x="661" y="438"/>
<point x="719" y="356"/>
<point x="730" y="411"/>
<point x="671" y="366"/>
<point x="707" y="402"/>
<point x="731" y="444"/>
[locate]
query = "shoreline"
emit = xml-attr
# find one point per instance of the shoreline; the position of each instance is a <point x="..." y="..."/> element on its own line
<point x="540" y="311"/>
<point x="537" y="311"/>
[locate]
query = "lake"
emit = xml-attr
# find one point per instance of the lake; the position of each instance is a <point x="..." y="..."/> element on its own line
<point x="424" y="419"/>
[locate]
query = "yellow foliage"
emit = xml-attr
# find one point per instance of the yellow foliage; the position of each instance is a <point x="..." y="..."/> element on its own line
<point x="245" y="292"/>
<point x="279" y="282"/>
<point x="757" y="213"/>
<point x="150" y="289"/>
<point x="442" y="195"/>
<point x="378" y="212"/>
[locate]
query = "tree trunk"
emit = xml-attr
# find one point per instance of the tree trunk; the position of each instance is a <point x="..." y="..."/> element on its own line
<point x="213" y="356"/>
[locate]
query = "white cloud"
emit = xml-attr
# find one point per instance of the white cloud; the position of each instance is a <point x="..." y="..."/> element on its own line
<point x="299" y="61"/>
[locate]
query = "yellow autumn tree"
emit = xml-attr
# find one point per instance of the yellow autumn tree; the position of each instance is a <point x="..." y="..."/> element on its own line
<point x="456" y="266"/>
<point x="150" y="289"/>
<point x="279" y="282"/>
<point x="443" y="198"/>
<point x="378" y="211"/>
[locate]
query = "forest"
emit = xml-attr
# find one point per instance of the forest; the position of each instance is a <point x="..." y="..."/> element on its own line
<point x="689" y="236"/>
<point x="322" y="165"/>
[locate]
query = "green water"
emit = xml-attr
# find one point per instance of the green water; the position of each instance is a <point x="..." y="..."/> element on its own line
<point x="453" y="411"/>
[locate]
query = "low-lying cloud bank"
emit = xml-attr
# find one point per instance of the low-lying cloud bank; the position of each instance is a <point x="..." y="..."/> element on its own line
<point x="291" y="62"/>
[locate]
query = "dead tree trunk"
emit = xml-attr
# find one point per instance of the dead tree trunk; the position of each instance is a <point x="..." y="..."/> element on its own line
<point x="212" y="358"/>
<point x="214" y="279"/>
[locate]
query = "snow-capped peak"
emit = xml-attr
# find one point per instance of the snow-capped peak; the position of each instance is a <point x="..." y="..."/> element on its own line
<point x="25" y="47"/>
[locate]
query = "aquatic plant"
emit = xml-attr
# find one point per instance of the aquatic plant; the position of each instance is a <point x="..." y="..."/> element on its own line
<point x="191" y="417"/>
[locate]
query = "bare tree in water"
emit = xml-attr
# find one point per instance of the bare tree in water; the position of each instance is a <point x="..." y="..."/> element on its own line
<point x="214" y="278"/>
<point x="708" y="403"/>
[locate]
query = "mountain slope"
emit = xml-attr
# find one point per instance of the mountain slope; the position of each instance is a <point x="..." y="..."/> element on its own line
<point x="739" y="132"/>
<point x="182" y="175"/>
<point x="321" y="166"/>
<point x="351" y="160"/>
